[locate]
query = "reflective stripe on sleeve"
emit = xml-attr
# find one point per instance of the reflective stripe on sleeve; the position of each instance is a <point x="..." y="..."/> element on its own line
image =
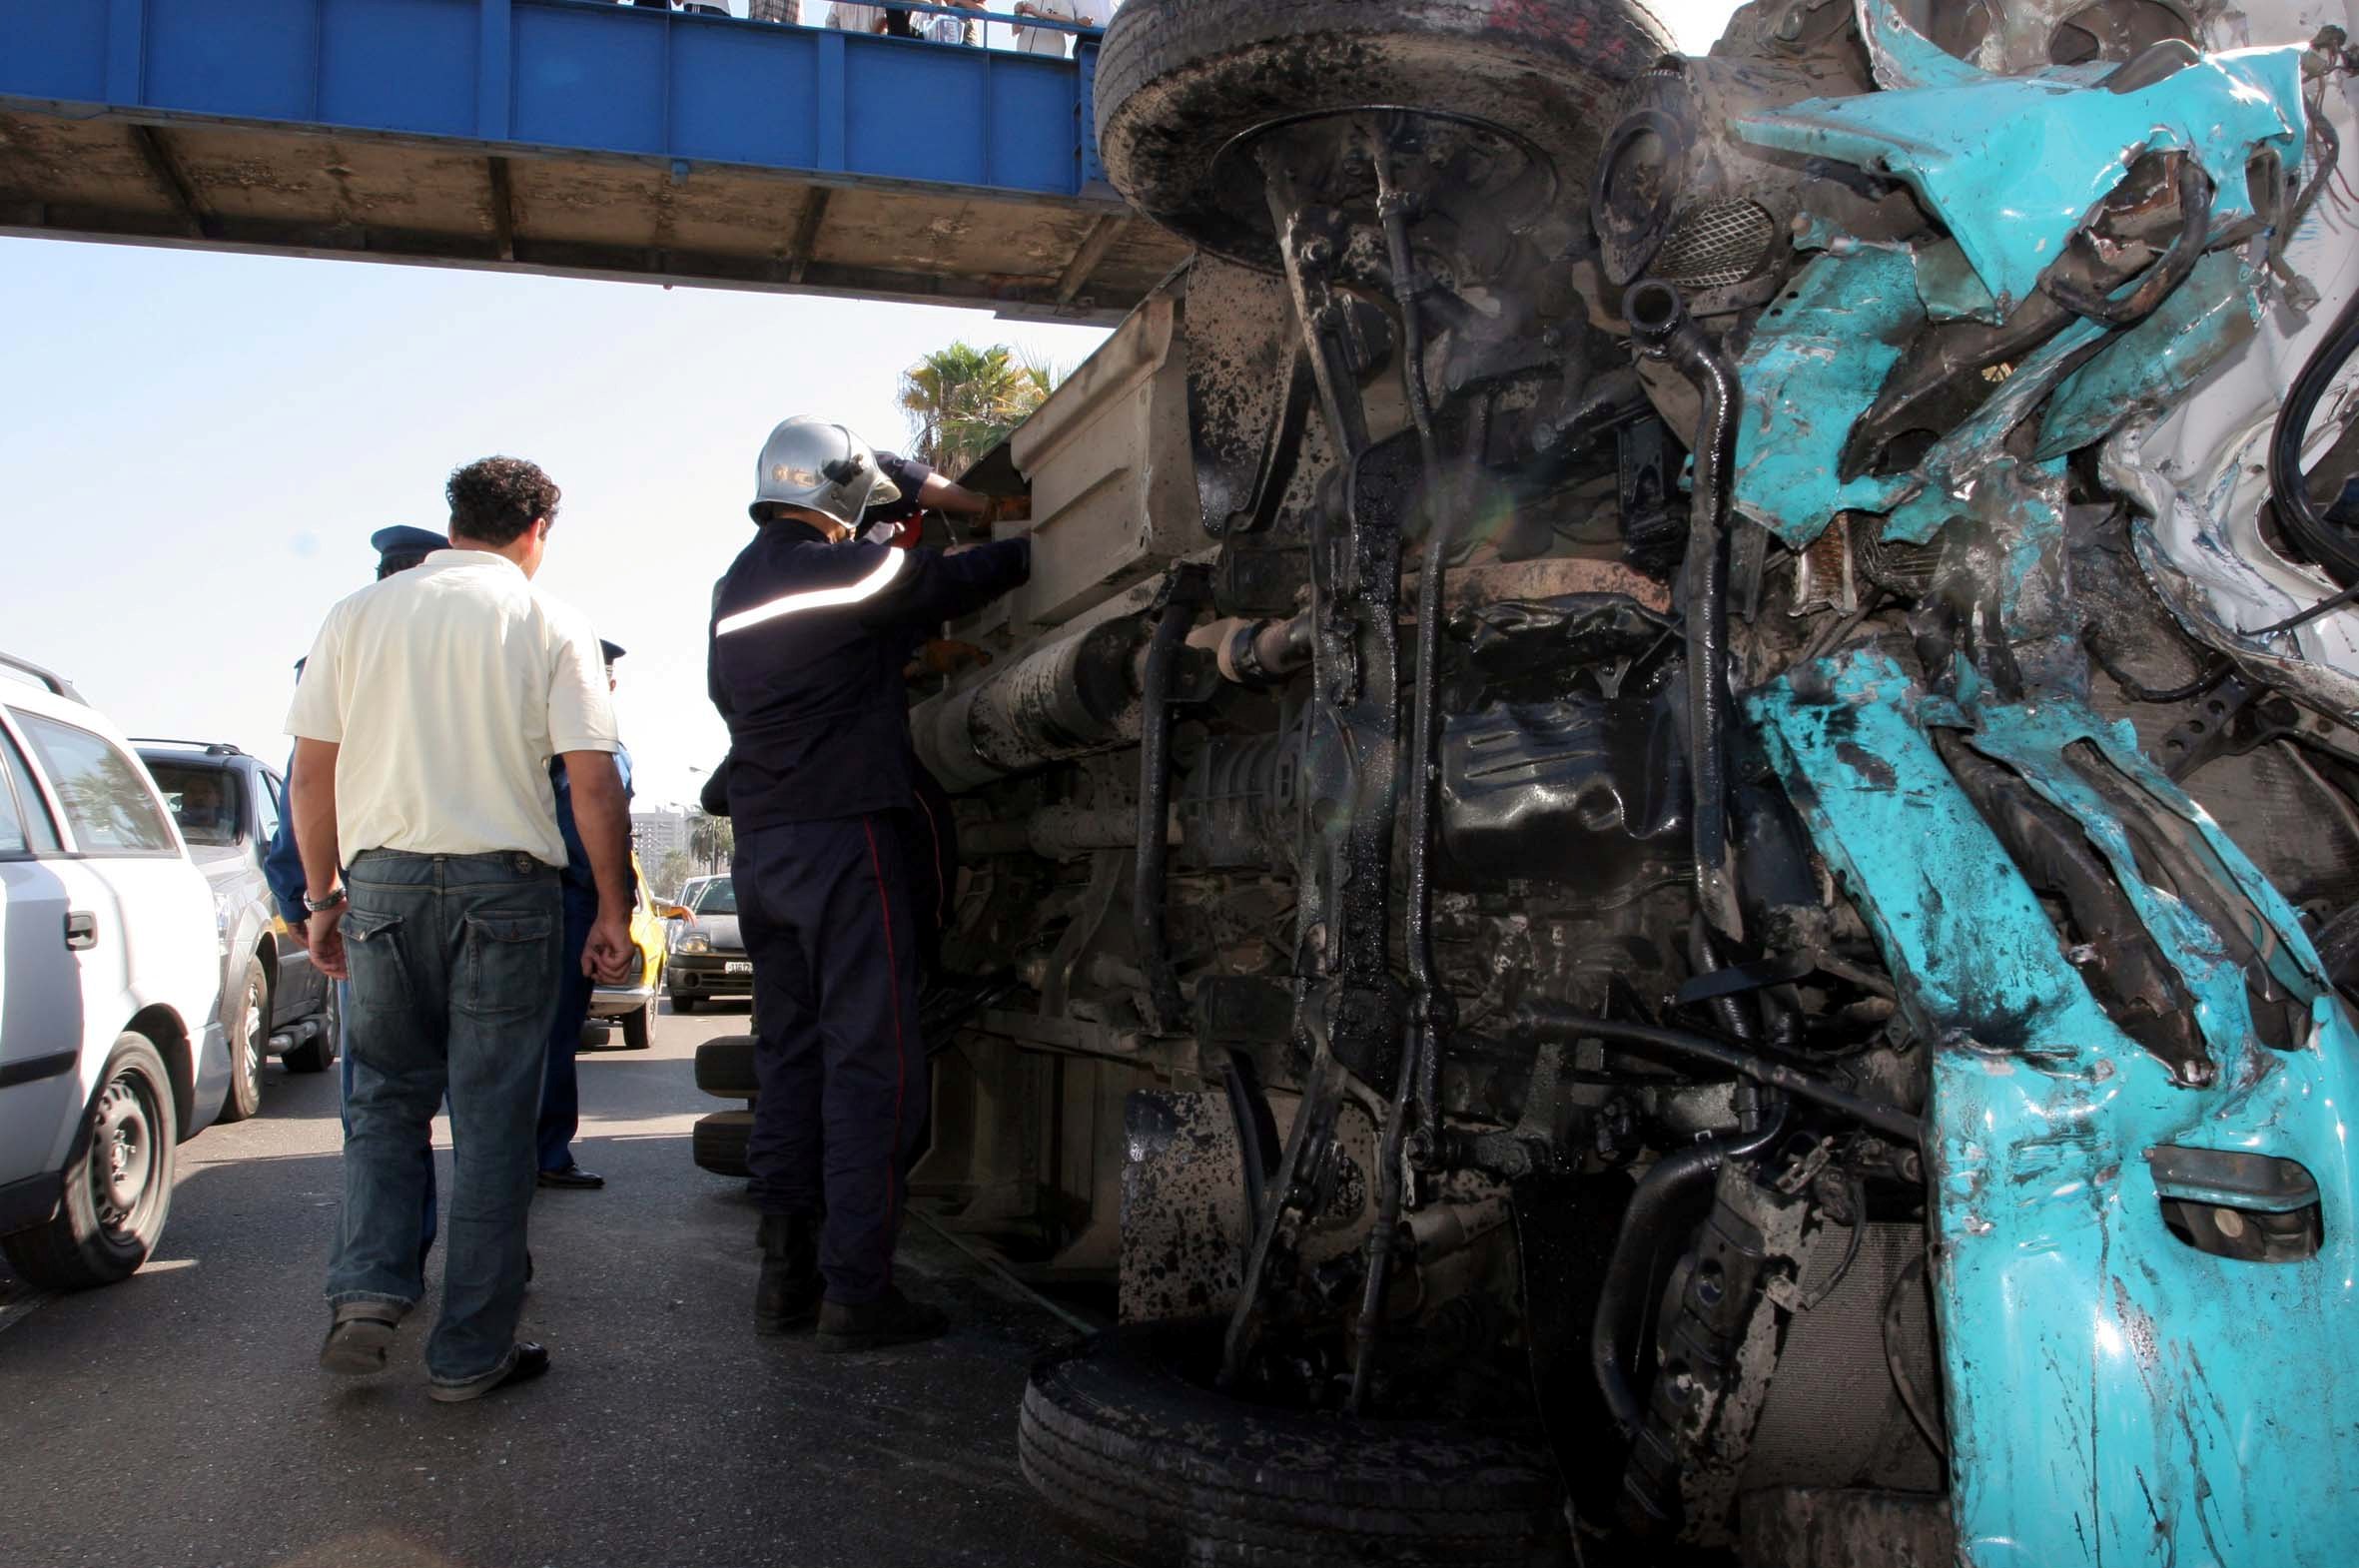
<point x="815" y="598"/>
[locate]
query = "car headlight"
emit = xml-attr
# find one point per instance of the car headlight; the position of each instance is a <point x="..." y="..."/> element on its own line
<point x="694" y="942"/>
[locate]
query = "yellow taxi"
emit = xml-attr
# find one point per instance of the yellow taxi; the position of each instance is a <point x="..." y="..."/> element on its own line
<point x="633" y="1004"/>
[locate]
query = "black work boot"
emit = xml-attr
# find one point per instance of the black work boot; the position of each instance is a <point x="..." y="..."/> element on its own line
<point x="787" y="1295"/>
<point x="890" y="1319"/>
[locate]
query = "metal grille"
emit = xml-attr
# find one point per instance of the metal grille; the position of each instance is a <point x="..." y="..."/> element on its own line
<point x="1894" y="565"/>
<point x="1717" y="243"/>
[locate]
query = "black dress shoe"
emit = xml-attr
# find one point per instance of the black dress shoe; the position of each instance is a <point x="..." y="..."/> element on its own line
<point x="531" y="1361"/>
<point x="787" y="1295"/>
<point x="572" y="1176"/>
<point x="890" y="1319"/>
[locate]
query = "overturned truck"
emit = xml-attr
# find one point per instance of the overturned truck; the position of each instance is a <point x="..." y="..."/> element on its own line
<point x="1669" y="831"/>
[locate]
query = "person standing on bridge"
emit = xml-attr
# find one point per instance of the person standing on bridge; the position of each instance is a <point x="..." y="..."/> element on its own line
<point x="424" y="722"/>
<point x="560" y="1090"/>
<point x="810" y="633"/>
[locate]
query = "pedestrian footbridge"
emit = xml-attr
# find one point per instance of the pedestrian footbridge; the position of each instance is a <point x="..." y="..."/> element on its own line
<point x="571" y="137"/>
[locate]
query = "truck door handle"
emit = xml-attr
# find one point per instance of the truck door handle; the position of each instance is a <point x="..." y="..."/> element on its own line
<point x="81" y="931"/>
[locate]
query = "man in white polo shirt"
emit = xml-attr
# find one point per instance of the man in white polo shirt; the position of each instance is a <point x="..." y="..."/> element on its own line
<point x="428" y="710"/>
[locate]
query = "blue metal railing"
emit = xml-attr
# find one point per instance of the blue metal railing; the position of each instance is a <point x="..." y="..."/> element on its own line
<point x="578" y="76"/>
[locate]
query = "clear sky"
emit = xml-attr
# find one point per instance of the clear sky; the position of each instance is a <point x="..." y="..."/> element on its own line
<point x="194" y="447"/>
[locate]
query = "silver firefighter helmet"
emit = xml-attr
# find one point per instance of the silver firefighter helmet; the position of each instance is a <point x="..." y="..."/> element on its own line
<point x="814" y="462"/>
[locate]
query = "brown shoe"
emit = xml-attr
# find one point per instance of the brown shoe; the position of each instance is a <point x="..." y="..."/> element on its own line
<point x="890" y="1319"/>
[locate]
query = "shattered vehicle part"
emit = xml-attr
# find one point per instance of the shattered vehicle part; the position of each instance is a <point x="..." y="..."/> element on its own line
<point x="1682" y="810"/>
<point x="2056" y="1266"/>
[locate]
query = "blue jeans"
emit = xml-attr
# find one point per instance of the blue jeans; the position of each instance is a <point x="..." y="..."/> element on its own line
<point x="343" y="1067"/>
<point x="455" y="978"/>
<point x="561" y="1087"/>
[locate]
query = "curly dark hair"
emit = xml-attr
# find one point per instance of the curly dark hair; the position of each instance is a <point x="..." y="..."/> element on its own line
<point x="494" y="499"/>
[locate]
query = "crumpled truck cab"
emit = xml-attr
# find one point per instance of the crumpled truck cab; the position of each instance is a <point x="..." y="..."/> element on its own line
<point x="1665" y="862"/>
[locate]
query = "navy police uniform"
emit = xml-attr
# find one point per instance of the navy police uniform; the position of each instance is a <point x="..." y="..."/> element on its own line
<point x="929" y="838"/>
<point x="561" y="1085"/>
<point x="808" y="644"/>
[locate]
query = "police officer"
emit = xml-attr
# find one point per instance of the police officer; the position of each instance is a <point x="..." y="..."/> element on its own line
<point x="560" y="1087"/>
<point x="398" y="549"/>
<point x="930" y="844"/>
<point x="810" y="633"/>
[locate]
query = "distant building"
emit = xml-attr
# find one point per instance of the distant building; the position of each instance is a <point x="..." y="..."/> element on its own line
<point x="656" y="833"/>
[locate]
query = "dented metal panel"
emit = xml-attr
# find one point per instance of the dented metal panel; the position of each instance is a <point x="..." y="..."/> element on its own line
<point x="2012" y="165"/>
<point x="2114" y="1395"/>
<point x="1113" y="482"/>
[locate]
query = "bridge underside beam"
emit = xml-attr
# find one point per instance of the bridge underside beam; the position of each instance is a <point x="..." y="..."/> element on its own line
<point x="274" y="190"/>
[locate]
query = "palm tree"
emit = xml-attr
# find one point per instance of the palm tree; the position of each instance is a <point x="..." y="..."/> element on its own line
<point x="712" y="841"/>
<point x="963" y="400"/>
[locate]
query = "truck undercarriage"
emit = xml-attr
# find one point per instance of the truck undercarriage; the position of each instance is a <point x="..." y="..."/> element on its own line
<point x="1664" y="847"/>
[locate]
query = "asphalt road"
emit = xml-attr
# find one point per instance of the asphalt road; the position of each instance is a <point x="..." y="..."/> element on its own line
<point x="180" y="1417"/>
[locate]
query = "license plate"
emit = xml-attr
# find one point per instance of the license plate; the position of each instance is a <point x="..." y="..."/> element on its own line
<point x="737" y="969"/>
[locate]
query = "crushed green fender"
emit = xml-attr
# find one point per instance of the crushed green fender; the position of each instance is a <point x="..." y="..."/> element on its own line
<point x="2011" y="164"/>
<point x="1818" y="353"/>
<point x="2151" y="365"/>
<point x="2114" y="1395"/>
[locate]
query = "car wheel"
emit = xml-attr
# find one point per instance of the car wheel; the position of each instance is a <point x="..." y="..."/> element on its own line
<point x="1127" y="1441"/>
<point x="118" y="1182"/>
<point x="639" y="1027"/>
<point x="317" y="1054"/>
<point x="683" y="1004"/>
<point x="247" y="1023"/>
<point x="718" y="1141"/>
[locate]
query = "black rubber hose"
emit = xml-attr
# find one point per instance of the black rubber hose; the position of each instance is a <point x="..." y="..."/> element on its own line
<point x="1730" y="1007"/>
<point x="1621" y="1298"/>
<point x="2330" y="545"/>
<point x="2187" y="248"/>
<point x="1154" y="806"/>
<point x="1548" y="1020"/>
<point x="1663" y="330"/>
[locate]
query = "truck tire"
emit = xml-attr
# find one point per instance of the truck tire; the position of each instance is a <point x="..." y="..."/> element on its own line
<point x="245" y="1021"/>
<point x="718" y="1141"/>
<point x="682" y="1003"/>
<point x="1144" y="1461"/>
<point x="725" y="1066"/>
<point x="1178" y="81"/>
<point x="118" y="1180"/>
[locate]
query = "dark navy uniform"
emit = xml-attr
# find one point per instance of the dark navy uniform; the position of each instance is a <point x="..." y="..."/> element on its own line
<point x="808" y="644"/>
<point x="930" y="840"/>
<point x="561" y="1085"/>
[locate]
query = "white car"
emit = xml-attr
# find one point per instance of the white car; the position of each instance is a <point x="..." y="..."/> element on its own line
<point x="111" y="1044"/>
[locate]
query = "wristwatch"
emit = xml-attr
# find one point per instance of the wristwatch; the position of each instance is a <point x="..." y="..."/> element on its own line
<point x="321" y="906"/>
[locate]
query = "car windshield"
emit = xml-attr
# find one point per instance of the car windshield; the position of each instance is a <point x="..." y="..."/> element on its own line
<point x="203" y="800"/>
<point x="719" y="897"/>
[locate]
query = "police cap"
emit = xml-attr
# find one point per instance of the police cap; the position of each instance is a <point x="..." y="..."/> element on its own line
<point x="611" y="651"/>
<point x="401" y="546"/>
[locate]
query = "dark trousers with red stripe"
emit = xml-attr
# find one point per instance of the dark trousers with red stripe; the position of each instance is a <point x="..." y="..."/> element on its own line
<point x="824" y="906"/>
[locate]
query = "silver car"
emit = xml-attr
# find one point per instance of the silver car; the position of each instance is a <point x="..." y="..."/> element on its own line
<point x="227" y="805"/>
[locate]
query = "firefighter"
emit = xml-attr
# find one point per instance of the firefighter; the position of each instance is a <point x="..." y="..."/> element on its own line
<point x="809" y="636"/>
